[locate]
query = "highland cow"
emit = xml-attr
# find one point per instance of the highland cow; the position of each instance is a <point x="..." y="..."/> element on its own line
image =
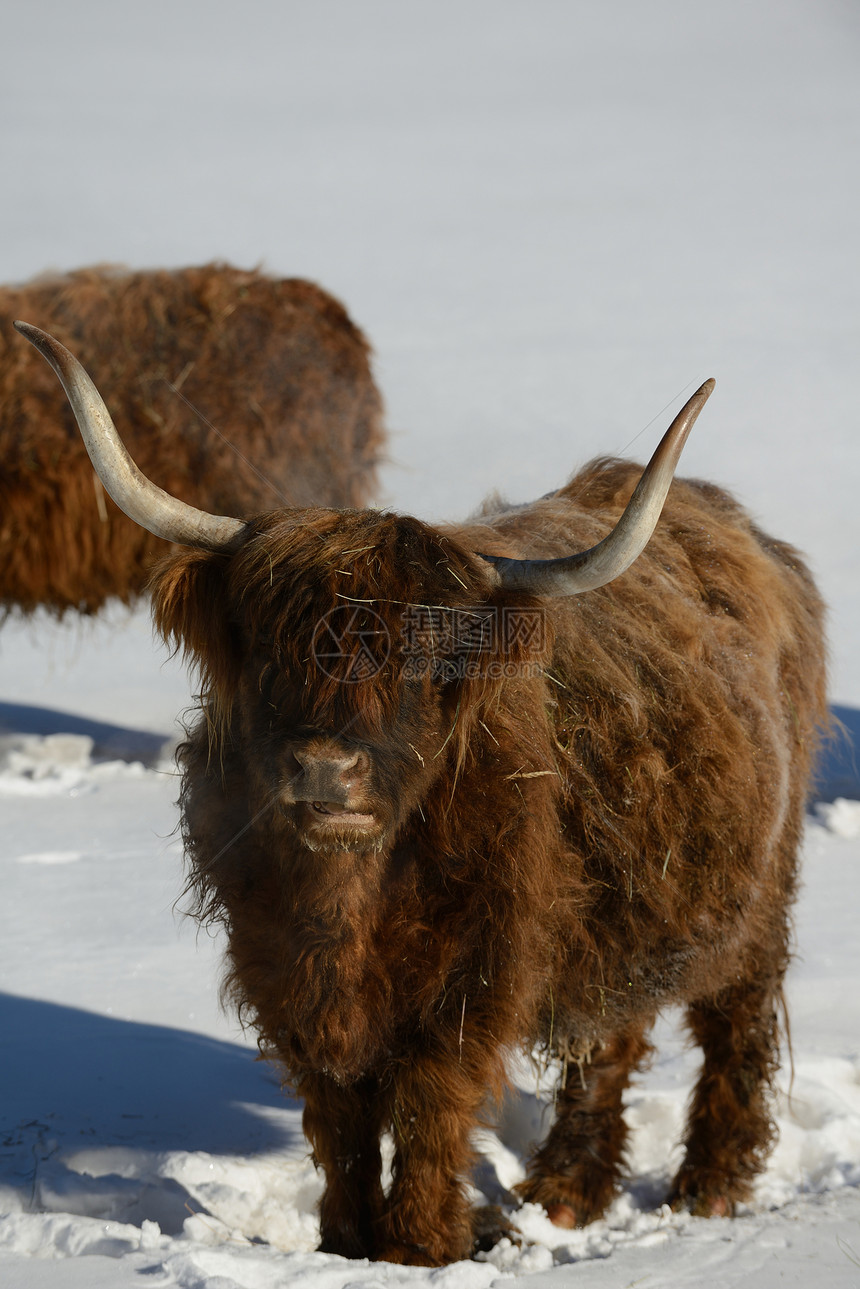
<point x="523" y="780"/>
<point x="240" y="392"/>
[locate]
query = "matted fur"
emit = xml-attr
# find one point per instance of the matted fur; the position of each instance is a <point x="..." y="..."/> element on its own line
<point x="556" y="853"/>
<point x="195" y="363"/>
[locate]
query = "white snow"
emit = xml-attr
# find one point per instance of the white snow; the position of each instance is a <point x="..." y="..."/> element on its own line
<point x="552" y="219"/>
<point x="840" y="816"/>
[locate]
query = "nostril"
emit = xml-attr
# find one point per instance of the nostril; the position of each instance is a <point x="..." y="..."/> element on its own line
<point x="355" y="766"/>
<point x="347" y="763"/>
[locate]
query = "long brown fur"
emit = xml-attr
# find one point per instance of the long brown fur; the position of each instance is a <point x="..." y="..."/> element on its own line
<point x="584" y="828"/>
<point x="235" y="391"/>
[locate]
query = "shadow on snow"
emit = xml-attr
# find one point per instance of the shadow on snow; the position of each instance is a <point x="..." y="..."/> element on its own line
<point x="75" y="1082"/>
<point x="838" y="775"/>
<point x="119" y="1082"/>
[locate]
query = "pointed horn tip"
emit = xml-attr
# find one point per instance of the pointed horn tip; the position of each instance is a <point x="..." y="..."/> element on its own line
<point x="40" y="339"/>
<point x="706" y="389"/>
<point x="26" y="328"/>
<point x="55" y="354"/>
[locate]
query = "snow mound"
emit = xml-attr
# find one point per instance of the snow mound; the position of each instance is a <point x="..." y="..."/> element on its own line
<point x="58" y="765"/>
<point x="840" y="816"/>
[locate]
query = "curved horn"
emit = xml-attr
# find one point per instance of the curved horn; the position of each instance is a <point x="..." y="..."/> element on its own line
<point x="141" y="499"/>
<point x="585" y="571"/>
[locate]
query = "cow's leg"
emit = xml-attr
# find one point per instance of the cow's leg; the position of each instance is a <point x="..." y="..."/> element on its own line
<point x="342" y="1125"/>
<point x="575" y="1172"/>
<point x="729" y="1125"/>
<point x="435" y="1103"/>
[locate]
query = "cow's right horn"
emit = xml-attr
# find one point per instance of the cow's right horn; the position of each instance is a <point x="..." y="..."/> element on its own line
<point x="587" y="570"/>
<point x="141" y="499"/>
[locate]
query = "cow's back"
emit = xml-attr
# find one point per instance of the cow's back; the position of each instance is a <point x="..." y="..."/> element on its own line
<point x="687" y="699"/>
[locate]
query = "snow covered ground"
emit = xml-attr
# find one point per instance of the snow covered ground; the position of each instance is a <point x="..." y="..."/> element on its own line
<point x="551" y="219"/>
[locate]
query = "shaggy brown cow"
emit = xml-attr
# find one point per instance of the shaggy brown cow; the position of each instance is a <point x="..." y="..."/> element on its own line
<point x="240" y="392"/>
<point x="447" y="799"/>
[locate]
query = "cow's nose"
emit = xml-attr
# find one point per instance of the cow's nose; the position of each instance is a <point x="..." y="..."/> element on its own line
<point x="340" y="764"/>
<point x="328" y="775"/>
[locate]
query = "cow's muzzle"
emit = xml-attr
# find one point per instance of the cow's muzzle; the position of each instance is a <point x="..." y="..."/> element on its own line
<point x="332" y="780"/>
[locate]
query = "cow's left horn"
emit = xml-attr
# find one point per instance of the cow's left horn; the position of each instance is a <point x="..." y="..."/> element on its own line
<point x="141" y="499"/>
<point x="586" y="570"/>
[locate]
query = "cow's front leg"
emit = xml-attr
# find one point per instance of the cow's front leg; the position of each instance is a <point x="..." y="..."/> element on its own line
<point x="342" y="1124"/>
<point x="434" y="1107"/>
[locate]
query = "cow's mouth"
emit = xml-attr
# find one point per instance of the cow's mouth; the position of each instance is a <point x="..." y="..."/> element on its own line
<point x="330" y="826"/>
<point x="332" y="813"/>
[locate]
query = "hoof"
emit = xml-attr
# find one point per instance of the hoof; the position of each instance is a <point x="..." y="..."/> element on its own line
<point x="702" y="1204"/>
<point x="562" y="1215"/>
<point x="412" y="1255"/>
<point x="489" y="1226"/>
<point x="567" y="1203"/>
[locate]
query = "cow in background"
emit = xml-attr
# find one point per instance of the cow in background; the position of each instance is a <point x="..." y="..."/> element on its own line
<point x="240" y="392"/>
